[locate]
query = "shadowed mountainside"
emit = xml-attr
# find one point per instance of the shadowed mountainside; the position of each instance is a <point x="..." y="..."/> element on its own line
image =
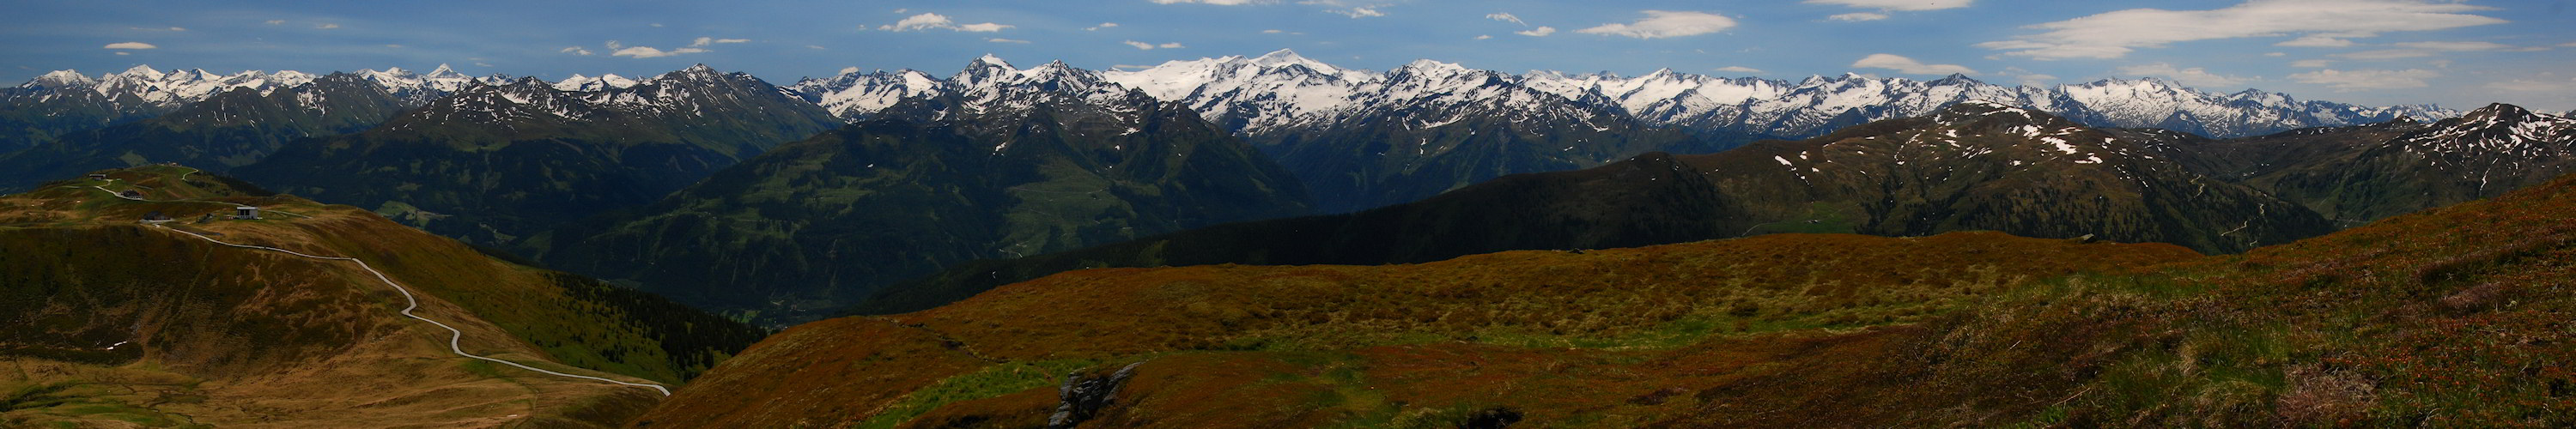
<point x="1972" y="166"/>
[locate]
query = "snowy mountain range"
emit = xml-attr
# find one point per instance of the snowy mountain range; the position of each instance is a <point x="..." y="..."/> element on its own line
<point x="1282" y="90"/>
<point x="144" y="88"/>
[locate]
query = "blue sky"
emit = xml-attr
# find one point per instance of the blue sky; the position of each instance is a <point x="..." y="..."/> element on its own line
<point x="2456" y="53"/>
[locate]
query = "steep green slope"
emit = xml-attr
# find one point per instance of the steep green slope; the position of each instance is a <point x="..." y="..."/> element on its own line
<point x="1983" y="166"/>
<point x="813" y="225"/>
<point x="1650" y="199"/>
<point x="1394" y="158"/>
<point x="2490" y="151"/>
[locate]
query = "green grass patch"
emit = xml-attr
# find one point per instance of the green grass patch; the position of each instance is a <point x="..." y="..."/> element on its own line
<point x="992" y="381"/>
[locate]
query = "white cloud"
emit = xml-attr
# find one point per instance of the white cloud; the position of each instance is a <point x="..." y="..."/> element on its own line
<point x="1505" y="17"/>
<point x="703" y="41"/>
<point x="2034" y="79"/>
<point x="2357" y="80"/>
<point x="920" y="22"/>
<point x="2194" y="76"/>
<point x="2567" y="45"/>
<point x="1271" y="31"/>
<point x="1213" y="2"/>
<point x="2525" y="86"/>
<point x="1737" y="69"/>
<point x="2386" y="54"/>
<point x="275" y="22"/>
<point x="1858" y="16"/>
<point x="327" y="26"/>
<point x="1661" y="24"/>
<point x="1898" y="4"/>
<point x="575" y="50"/>
<point x="849" y="70"/>
<point x="1484" y="36"/>
<point x="1002" y="40"/>
<point x="2276" y="54"/>
<point x="1101" y="26"/>
<point x="124" y="53"/>
<point x="2316" y="41"/>
<point x="2457" y="46"/>
<point x="1541" y="31"/>
<point x="178" y="29"/>
<point x="2114" y="34"/>
<point x="1359" y="12"/>
<point x="1908" y="65"/>
<point x="650" y="52"/>
<point x="2313" y="64"/>
<point x="131" y="45"/>
<point x="1152" y="46"/>
<point x="928" y="21"/>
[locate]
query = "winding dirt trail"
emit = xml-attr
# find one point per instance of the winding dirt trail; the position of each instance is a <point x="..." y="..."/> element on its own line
<point x="454" y="336"/>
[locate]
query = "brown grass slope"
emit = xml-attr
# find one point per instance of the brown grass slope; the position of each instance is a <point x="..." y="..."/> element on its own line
<point x="2451" y="317"/>
<point x="115" y="324"/>
<point x="1558" y="338"/>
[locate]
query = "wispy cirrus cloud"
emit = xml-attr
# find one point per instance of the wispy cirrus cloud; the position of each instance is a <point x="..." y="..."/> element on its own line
<point x="1858" y="17"/>
<point x="933" y="21"/>
<point x="1662" y="24"/>
<point x="1898" y="4"/>
<point x="2193" y="76"/>
<point x="1901" y="64"/>
<point x="2117" y="33"/>
<point x="130" y="45"/>
<point x="1142" y="46"/>
<point x="2362" y="80"/>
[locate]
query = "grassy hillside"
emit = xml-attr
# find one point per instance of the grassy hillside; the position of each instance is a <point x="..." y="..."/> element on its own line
<point x="1246" y="345"/>
<point x="109" y="319"/>
<point x="2450" y="317"/>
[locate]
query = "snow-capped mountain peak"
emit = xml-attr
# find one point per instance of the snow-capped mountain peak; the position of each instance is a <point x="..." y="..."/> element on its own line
<point x="444" y="72"/>
<point x="143" y="71"/>
<point x="60" y="78"/>
<point x="592" y="84"/>
<point x="1428" y="67"/>
<point x="1284" y="58"/>
<point x="2497" y="130"/>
